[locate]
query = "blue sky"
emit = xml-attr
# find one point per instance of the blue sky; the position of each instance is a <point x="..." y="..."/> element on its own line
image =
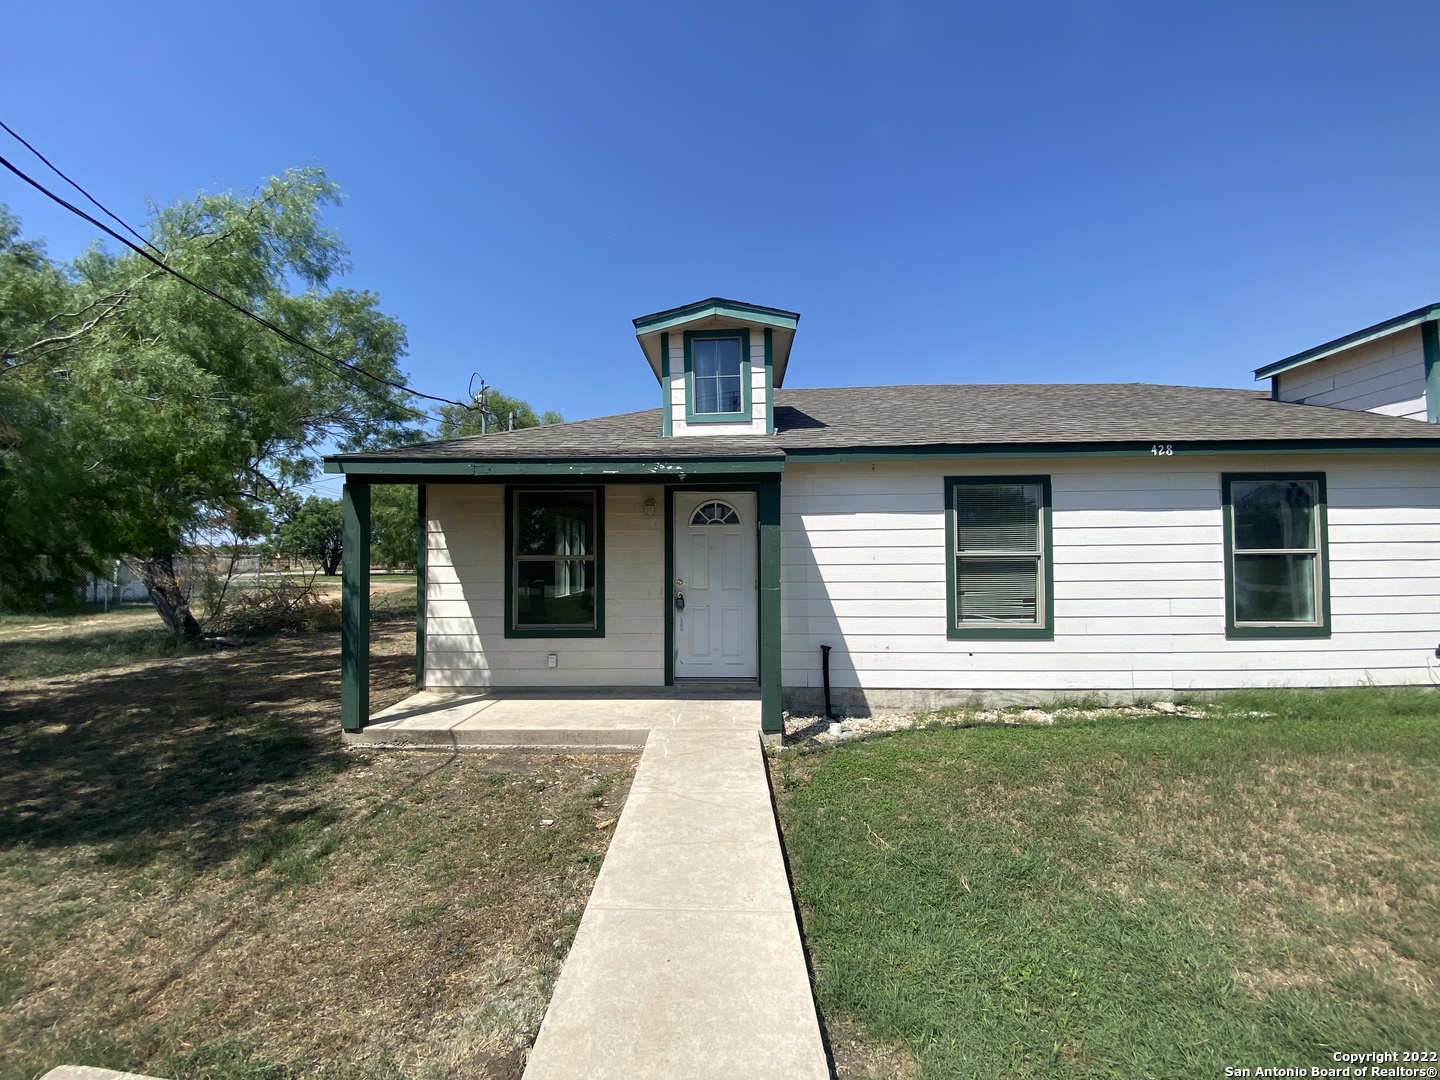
<point x="1081" y="190"/>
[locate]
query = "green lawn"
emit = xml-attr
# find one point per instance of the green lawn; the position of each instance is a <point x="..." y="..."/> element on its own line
<point x="1129" y="896"/>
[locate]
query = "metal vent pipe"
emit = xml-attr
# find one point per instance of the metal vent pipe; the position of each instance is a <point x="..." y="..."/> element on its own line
<point x="825" y="671"/>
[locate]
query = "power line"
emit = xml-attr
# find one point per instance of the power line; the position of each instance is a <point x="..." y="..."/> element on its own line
<point x="56" y="170"/>
<point x="211" y="292"/>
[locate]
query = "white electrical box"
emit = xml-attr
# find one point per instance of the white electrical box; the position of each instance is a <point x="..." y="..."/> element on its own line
<point x="552" y="659"/>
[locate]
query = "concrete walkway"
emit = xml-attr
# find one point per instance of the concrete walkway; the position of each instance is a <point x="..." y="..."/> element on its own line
<point x="687" y="963"/>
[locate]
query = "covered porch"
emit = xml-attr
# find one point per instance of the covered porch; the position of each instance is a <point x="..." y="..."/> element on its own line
<point x="443" y="713"/>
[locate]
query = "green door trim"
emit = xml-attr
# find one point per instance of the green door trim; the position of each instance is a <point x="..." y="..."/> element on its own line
<point x="767" y="551"/>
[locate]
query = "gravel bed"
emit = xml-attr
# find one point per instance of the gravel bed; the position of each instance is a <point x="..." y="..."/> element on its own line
<point x="812" y="731"/>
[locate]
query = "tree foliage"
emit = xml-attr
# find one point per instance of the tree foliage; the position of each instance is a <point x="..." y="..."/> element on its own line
<point x="311" y="531"/>
<point x="138" y="415"/>
<point x="500" y="409"/>
<point x="393" y="539"/>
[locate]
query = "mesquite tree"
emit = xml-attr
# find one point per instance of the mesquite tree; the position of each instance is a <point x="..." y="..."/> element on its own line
<point x="139" y="416"/>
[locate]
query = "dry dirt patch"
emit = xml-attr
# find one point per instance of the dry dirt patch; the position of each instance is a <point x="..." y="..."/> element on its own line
<point x="199" y="880"/>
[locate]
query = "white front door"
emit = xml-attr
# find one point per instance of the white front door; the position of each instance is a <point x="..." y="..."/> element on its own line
<point x="716" y="633"/>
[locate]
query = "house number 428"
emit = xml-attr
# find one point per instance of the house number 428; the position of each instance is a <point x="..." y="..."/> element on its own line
<point x="1162" y="449"/>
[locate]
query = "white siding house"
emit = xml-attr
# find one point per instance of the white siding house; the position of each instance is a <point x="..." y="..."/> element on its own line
<point x="1139" y="583"/>
<point x="1384" y="368"/>
<point x="1009" y="543"/>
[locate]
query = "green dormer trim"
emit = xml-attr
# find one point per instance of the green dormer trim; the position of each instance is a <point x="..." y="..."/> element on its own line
<point x="718" y="313"/>
<point x="769" y="381"/>
<point x="745" y="415"/>
<point x="666" y="422"/>
<point x="1430" y="339"/>
<point x="1418" y="317"/>
<point x="716" y="306"/>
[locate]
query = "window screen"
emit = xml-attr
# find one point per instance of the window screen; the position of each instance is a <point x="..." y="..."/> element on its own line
<point x="999" y="553"/>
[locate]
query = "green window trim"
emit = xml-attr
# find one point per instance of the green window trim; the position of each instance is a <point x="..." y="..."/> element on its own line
<point x="512" y="630"/>
<point x="744" y="415"/>
<point x="1042" y="631"/>
<point x="1243" y="631"/>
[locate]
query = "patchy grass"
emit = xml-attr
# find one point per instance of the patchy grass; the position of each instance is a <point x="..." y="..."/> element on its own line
<point x="1128" y="895"/>
<point x="66" y="645"/>
<point x="390" y="600"/>
<point x="37" y="648"/>
<point x="198" y="882"/>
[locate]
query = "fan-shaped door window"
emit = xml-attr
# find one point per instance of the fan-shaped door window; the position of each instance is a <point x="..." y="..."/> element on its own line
<point x="715" y="513"/>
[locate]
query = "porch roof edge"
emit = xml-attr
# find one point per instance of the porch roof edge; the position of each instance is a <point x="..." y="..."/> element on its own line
<point x="421" y="468"/>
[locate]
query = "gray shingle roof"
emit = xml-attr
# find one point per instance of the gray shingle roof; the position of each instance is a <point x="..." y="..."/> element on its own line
<point x="869" y="417"/>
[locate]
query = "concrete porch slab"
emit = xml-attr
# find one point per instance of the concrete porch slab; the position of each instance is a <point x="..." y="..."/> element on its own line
<point x="580" y="719"/>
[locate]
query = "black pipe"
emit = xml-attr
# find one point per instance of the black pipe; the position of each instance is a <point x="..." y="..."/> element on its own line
<point x="825" y="670"/>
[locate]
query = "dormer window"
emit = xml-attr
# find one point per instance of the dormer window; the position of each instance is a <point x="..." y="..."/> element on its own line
<point x="717" y="376"/>
<point x="718" y="362"/>
<point x="718" y="388"/>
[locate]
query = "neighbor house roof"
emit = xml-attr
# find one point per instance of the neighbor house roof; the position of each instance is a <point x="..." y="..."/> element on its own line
<point x="944" y="420"/>
<point x="1428" y="313"/>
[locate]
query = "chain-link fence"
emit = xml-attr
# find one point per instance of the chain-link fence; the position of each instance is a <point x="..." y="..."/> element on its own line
<point x="119" y="587"/>
<point x="224" y="590"/>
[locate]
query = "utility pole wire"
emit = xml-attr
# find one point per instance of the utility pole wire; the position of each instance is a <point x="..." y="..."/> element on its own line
<point x="56" y="170"/>
<point x="227" y="302"/>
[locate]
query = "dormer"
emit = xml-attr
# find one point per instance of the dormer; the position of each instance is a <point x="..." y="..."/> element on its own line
<point x="718" y="362"/>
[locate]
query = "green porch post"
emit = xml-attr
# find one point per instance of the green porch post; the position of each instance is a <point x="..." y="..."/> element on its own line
<point x="420" y="568"/>
<point x="771" y="722"/>
<point x="355" y="606"/>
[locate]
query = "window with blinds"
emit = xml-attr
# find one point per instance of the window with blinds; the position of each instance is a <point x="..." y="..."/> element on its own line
<point x="998" y="573"/>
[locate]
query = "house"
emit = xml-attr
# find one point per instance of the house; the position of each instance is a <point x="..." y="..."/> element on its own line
<point x="1392" y="367"/>
<point x="947" y="543"/>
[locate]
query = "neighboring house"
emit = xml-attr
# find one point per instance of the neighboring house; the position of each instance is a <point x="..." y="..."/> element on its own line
<point x="948" y="543"/>
<point x="120" y="585"/>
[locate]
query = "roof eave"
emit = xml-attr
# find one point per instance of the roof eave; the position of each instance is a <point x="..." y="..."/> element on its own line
<point x="716" y="305"/>
<point x="718" y="311"/>
<point x="1429" y="313"/>
<point x="366" y="467"/>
